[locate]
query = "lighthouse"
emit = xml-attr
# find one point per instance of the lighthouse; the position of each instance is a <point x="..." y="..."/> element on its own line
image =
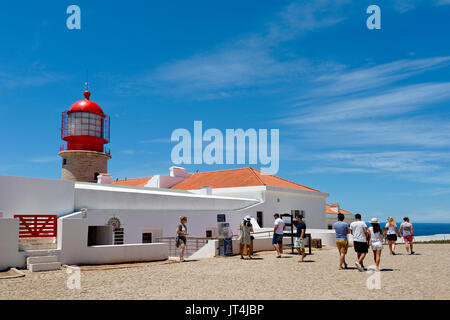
<point x="85" y="128"/>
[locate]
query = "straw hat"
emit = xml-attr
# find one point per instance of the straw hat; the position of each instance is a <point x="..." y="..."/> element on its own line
<point x="374" y="220"/>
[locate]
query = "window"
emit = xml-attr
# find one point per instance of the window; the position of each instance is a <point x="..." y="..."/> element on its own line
<point x="118" y="236"/>
<point x="85" y="124"/>
<point x="147" y="237"/>
<point x="296" y="213"/>
<point x="209" y="233"/>
<point x="259" y="218"/>
<point x="64" y="162"/>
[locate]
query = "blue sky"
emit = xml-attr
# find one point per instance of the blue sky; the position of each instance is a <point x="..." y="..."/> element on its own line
<point x="363" y="114"/>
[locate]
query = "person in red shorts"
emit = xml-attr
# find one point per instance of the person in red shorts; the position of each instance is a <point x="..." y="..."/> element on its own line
<point x="408" y="234"/>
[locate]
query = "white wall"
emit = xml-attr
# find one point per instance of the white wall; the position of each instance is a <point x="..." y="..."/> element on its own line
<point x="313" y="203"/>
<point x="9" y="244"/>
<point x="135" y="222"/>
<point x="35" y="196"/>
<point x="72" y="241"/>
<point x="95" y="196"/>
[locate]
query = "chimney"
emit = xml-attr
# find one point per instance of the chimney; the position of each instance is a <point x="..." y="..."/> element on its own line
<point x="178" y="172"/>
<point x="104" y="178"/>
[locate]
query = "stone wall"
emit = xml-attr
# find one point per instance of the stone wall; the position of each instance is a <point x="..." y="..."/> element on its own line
<point x="81" y="165"/>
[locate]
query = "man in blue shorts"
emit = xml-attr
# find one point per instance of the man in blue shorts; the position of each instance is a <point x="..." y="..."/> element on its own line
<point x="278" y="231"/>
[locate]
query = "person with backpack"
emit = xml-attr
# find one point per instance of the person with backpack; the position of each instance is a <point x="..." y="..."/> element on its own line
<point x="181" y="239"/>
<point x="245" y="228"/>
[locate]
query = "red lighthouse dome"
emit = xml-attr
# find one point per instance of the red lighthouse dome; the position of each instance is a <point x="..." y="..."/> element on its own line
<point x="85" y="126"/>
<point x="86" y="105"/>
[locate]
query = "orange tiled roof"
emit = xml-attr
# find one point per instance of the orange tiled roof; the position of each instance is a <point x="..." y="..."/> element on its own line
<point x="334" y="212"/>
<point x="137" y="182"/>
<point x="243" y="177"/>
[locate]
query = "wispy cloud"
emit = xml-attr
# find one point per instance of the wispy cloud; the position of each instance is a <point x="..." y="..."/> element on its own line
<point x="128" y="152"/>
<point x="397" y="101"/>
<point x="345" y="82"/>
<point x="33" y="79"/>
<point x="251" y="60"/>
<point x="45" y="159"/>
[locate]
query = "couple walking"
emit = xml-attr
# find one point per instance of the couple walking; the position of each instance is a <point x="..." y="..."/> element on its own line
<point x="362" y="237"/>
<point x="278" y="231"/>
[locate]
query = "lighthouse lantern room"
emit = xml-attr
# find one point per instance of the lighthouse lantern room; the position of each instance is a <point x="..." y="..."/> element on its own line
<point x="85" y="128"/>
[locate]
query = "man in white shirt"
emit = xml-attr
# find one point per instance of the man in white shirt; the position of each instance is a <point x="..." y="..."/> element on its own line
<point x="278" y="231"/>
<point x="359" y="232"/>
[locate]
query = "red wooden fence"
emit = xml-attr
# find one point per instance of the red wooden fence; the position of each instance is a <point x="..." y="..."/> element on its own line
<point x="37" y="226"/>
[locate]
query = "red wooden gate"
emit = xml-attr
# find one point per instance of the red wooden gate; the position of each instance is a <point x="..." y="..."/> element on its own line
<point x="37" y="226"/>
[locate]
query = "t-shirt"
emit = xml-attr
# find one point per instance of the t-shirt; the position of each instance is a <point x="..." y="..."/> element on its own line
<point x="375" y="237"/>
<point x="357" y="228"/>
<point x="341" y="228"/>
<point x="301" y="226"/>
<point x="280" y="224"/>
<point x="391" y="229"/>
<point x="407" y="228"/>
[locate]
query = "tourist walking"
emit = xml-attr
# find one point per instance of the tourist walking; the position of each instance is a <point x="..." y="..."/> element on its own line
<point x="300" y="235"/>
<point x="408" y="234"/>
<point x="376" y="241"/>
<point x="390" y="233"/>
<point x="360" y="242"/>
<point x="278" y="231"/>
<point x="342" y="229"/>
<point x="180" y="241"/>
<point x="245" y="228"/>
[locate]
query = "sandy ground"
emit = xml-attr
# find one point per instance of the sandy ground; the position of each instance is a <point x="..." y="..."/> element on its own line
<point x="422" y="276"/>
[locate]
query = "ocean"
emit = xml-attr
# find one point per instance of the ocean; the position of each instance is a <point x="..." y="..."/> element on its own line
<point x="426" y="229"/>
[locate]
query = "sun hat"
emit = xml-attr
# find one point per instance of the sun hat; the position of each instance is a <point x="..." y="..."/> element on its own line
<point x="374" y="220"/>
<point x="248" y="218"/>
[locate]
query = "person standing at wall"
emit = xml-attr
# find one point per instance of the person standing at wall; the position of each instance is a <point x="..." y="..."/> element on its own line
<point x="360" y="243"/>
<point x="181" y="236"/>
<point x="300" y="235"/>
<point x="376" y="241"/>
<point x="342" y="229"/>
<point x="245" y="228"/>
<point x="408" y="234"/>
<point x="278" y="231"/>
<point x="390" y="233"/>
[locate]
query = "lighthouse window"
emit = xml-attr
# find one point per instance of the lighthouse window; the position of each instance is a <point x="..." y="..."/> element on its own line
<point x="85" y="124"/>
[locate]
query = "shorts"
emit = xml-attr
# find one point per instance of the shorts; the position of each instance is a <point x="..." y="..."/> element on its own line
<point x="361" y="247"/>
<point x="408" y="238"/>
<point x="342" y="245"/>
<point x="378" y="245"/>
<point x="277" y="239"/>
<point x="179" y="241"/>
<point x="392" y="237"/>
<point x="299" y="243"/>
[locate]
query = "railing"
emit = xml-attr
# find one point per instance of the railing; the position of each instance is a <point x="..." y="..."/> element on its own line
<point x="64" y="148"/>
<point x="193" y="244"/>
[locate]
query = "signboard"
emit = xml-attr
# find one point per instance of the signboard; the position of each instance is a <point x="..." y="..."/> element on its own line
<point x="221" y="218"/>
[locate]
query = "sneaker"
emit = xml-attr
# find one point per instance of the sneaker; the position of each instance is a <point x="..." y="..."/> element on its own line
<point x="359" y="267"/>
<point x="412" y="252"/>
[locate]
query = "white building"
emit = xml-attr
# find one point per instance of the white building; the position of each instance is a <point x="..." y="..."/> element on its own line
<point x="332" y="212"/>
